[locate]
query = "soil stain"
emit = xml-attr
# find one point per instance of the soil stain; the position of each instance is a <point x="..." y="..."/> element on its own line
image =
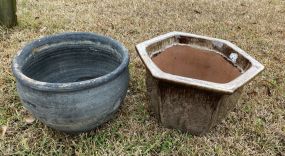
<point x="196" y="63"/>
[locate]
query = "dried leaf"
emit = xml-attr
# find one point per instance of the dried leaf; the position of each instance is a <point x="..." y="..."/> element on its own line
<point x="43" y="29"/>
<point x="3" y="130"/>
<point x="197" y="11"/>
<point x="252" y="93"/>
<point x="29" y="119"/>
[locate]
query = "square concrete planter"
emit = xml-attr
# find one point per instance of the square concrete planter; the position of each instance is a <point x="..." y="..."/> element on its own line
<point x="187" y="103"/>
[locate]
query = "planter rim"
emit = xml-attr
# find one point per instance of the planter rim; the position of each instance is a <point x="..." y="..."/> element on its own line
<point x="18" y="62"/>
<point x="227" y="88"/>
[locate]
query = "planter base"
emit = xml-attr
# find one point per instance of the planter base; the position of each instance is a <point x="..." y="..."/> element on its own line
<point x="187" y="108"/>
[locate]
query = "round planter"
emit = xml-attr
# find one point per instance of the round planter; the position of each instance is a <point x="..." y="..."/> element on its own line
<point x="72" y="82"/>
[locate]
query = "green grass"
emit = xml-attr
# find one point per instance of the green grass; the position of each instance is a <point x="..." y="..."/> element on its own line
<point x="255" y="127"/>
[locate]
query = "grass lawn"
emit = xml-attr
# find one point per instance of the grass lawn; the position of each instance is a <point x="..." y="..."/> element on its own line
<point x="255" y="127"/>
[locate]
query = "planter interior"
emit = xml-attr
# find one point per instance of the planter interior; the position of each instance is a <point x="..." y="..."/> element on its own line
<point x="187" y="61"/>
<point x="70" y="62"/>
<point x="194" y="81"/>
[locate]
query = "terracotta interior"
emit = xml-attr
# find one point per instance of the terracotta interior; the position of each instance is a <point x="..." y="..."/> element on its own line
<point x="187" y="61"/>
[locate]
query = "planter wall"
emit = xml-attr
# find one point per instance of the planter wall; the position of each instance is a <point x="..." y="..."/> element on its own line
<point x="189" y="104"/>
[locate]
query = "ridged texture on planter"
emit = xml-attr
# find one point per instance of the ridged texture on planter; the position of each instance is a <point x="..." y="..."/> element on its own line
<point x="72" y="82"/>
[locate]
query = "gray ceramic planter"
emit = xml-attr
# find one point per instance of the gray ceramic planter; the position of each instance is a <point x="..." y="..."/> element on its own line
<point x="187" y="103"/>
<point x="72" y="82"/>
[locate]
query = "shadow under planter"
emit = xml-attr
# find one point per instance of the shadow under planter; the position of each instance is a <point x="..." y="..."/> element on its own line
<point x="194" y="81"/>
<point x="72" y="82"/>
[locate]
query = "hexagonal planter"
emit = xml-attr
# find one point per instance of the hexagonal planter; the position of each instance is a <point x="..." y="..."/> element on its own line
<point x="194" y="104"/>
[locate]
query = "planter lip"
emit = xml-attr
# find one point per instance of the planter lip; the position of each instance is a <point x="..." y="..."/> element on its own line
<point x="227" y="88"/>
<point x="22" y="54"/>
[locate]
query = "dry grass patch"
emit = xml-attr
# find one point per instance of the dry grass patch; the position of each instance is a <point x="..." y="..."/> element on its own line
<point x="255" y="127"/>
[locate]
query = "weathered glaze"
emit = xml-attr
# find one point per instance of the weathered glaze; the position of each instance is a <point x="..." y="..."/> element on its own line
<point x="72" y="82"/>
<point x="186" y="108"/>
<point x="189" y="104"/>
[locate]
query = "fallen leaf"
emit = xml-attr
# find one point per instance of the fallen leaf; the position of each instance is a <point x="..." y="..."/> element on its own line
<point x="29" y="119"/>
<point x="238" y="27"/>
<point x="197" y="11"/>
<point x="252" y="93"/>
<point x="43" y="29"/>
<point x="3" y="130"/>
